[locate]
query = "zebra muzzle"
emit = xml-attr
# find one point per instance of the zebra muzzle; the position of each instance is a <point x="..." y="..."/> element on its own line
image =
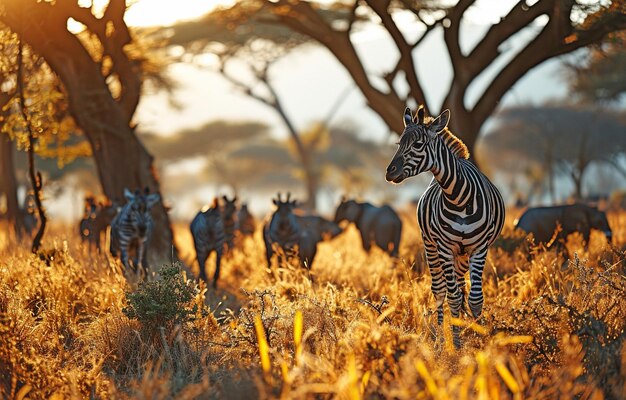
<point x="394" y="171"/>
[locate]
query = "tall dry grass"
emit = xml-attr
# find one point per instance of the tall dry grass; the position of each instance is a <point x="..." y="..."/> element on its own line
<point x="360" y="326"/>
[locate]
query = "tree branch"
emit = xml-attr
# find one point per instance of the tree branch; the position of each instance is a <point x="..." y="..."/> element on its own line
<point x="405" y="62"/>
<point x="35" y="176"/>
<point x="301" y="18"/>
<point x="517" y="19"/>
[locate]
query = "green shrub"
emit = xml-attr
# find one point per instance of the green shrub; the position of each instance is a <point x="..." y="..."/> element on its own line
<point x="164" y="302"/>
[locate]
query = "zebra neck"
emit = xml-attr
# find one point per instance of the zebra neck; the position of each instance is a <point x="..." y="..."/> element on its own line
<point x="450" y="173"/>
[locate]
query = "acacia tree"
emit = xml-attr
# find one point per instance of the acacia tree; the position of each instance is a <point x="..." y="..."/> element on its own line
<point x="102" y="78"/>
<point x="600" y="76"/>
<point x="570" y="25"/>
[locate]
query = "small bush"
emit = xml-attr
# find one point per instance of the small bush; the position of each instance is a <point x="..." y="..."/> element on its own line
<point x="163" y="303"/>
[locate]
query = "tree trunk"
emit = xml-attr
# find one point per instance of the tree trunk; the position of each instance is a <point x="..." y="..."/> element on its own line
<point x="121" y="160"/>
<point x="9" y="183"/>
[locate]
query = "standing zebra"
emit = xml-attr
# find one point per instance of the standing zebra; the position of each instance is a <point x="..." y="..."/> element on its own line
<point x="245" y="221"/>
<point x="207" y="229"/>
<point x="282" y="230"/>
<point x="460" y="214"/>
<point x="229" y="219"/>
<point x="132" y="228"/>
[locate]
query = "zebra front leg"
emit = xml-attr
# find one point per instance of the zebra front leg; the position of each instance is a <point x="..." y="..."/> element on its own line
<point x="218" y="261"/>
<point x="140" y="260"/>
<point x="438" y="287"/>
<point x="476" y="264"/>
<point x="453" y="295"/>
<point x="124" y="258"/>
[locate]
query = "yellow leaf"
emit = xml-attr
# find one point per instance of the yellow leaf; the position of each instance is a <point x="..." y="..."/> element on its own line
<point x="24" y="390"/>
<point x="507" y="377"/>
<point x="297" y="335"/>
<point x="263" y="347"/>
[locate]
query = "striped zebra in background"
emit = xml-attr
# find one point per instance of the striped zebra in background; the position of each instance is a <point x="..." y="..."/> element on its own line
<point x="207" y="230"/>
<point x="132" y="229"/>
<point x="229" y="219"/>
<point x="460" y="214"/>
<point x="282" y="230"/>
<point x="246" y="223"/>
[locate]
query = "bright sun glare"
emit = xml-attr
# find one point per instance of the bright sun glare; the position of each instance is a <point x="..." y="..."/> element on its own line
<point x="167" y="12"/>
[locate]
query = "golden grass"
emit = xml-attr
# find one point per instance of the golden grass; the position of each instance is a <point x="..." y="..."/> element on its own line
<point x="548" y="330"/>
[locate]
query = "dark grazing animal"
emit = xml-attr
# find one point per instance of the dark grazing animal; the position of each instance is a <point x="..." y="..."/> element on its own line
<point x="542" y="222"/>
<point x="207" y="229"/>
<point x="380" y="225"/>
<point x="105" y="214"/>
<point x="246" y="223"/>
<point x="314" y="229"/>
<point x="132" y="228"/>
<point x="229" y="219"/>
<point x="28" y="214"/>
<point x="461" y="213"/>
<point x="282" y="229"/>
<point x="86" y="224"/>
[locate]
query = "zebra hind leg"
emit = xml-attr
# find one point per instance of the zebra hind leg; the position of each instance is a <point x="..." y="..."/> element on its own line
<point x="218" y="261"/>
<point x="202" y="256"/>
<point x="475" y="299"/>
<point x="454" y="297"/>
<point x="461" y="265"/>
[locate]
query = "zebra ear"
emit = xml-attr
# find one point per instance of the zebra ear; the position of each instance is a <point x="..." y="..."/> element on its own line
<point x="275" y="202"/>
<point x="419" y="116"/>
<point x="441" y="122"/>
<point x="152" y="199"/>
<point x="128" y="195"/>
<point x="408" y="118"/>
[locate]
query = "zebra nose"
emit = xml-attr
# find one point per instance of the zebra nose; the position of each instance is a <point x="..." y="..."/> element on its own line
<point x="394" y="170"/>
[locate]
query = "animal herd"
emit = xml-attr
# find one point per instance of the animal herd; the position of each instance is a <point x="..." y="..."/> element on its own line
<point x="460" y="214"/>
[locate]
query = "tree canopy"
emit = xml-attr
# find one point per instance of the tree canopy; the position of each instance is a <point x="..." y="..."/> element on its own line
<point x="601" y="76"/>
<point x="569" y="25"/>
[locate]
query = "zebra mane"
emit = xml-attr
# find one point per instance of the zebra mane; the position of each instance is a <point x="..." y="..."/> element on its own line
<point x="456" y="145"/>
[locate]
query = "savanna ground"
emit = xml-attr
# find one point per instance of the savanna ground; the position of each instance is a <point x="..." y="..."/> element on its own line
<point x="362" y="328"/>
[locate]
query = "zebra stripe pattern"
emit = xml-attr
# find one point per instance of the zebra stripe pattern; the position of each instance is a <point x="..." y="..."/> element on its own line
<point x="132" y="229"/>
<point x="229" y="219"/>
<point x="282" y="230"/>
<point x="460" y="214"/>
<point x="207" y="230"/>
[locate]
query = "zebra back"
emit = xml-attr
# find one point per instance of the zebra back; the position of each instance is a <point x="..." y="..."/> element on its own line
<point x="207" y="230"/>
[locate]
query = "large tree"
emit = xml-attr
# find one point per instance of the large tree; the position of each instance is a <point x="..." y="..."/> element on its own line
<point x="102" y="76"/>
<point x="564" y="26"/>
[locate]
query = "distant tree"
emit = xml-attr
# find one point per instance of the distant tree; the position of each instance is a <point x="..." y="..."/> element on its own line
<point x="600" y="75"/>
<point x="100" y="69"/>
<point x="565" y="139"/>
<point x="569" y="25"/>
<point x="246" y="56"/>
<point x="213" y="142"/>
<point x="244" y="155"/>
